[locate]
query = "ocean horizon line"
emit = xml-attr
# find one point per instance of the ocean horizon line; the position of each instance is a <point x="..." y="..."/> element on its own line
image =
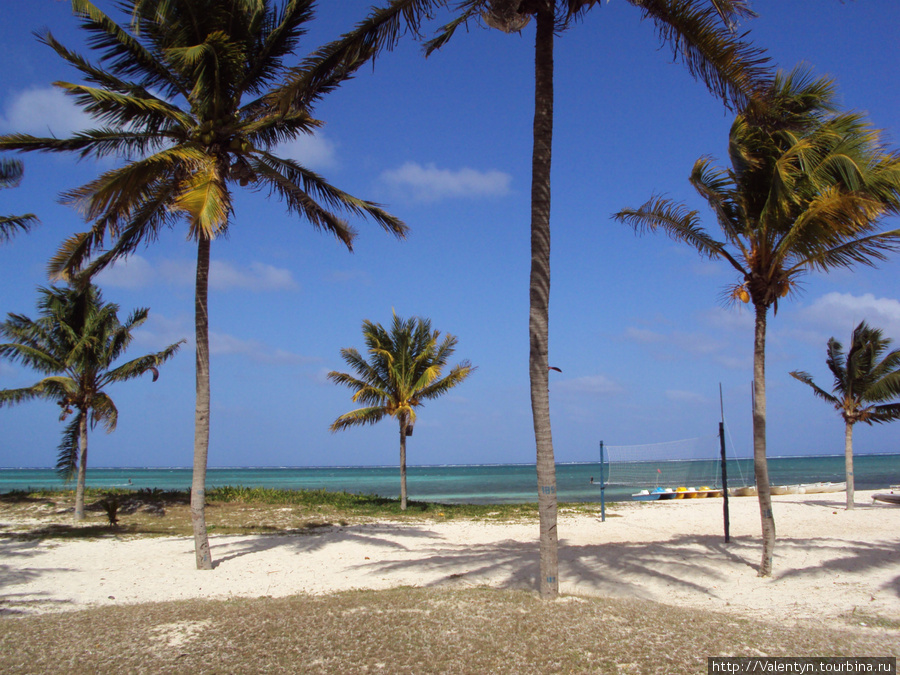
<point x="429" y="466"/>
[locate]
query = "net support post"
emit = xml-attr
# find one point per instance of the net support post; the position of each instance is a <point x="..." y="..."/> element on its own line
<point x="725" y="513"/>
<point x="602" y="487"/>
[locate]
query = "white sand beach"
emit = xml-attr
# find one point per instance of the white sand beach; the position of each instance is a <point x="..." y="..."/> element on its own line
<point x="829" y="562"/>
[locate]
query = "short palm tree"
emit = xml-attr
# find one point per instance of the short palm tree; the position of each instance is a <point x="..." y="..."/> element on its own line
<point x="864" y="383"/>
<point x="700" y="32"/>
<point x="182" y="93"/>
<point x="403" y="371"/>
<point x="76" y="342"/>
<point x="806" y="190"/>
<point x="10" y="176"/>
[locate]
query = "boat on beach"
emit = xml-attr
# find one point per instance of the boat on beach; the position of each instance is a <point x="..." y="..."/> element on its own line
<point x="808" y="488"/>
<point x="797" y="489"/>
<point x="892" y="497"/>
<point x="659" y="493"/>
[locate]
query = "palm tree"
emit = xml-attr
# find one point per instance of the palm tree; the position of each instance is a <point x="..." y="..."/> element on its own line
<point x="10" y="176"/>
<point x="806" y="191"/>
<point x="184" y="90"/>
<point x="75" y="342"/>
<point x="403" y="371"/>
<point x="864" y="381"/>
<point x="700" y="32"/>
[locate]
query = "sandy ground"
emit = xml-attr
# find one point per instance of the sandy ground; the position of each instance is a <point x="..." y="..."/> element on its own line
<point x="829" y="562"/>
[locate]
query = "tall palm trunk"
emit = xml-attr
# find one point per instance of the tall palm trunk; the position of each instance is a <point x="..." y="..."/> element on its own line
<point x="201" y="411"/>
<point x="539" y="309"/>
<point x="760" y="465"/>
<point x="82" y="464"/>
<point x="403" y="425"/>
<point x="848" y="462"/>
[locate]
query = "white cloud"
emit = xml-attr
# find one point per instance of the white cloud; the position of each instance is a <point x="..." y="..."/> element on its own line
<point x="841" y="312"/>
<point x="311" y="151"/>
<point x="429" y="183"/>
<point x="45" y="111"/>
<point x="137" y="272"/>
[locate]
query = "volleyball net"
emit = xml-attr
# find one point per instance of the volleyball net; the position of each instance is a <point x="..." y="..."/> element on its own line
<point x="689" y="462"/>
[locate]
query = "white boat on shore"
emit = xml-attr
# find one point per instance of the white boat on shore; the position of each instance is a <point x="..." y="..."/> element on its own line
<point x="799" y="489"/>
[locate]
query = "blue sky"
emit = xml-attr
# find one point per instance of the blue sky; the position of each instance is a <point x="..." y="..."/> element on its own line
<point x="637" y="324"/>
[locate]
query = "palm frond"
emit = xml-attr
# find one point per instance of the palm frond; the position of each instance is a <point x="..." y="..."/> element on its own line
<point x="334" y="63"/>
<point x="359" y="417"/>
<point x="139" y="366"/>
<point x="104" y="411"/>
<point x="11" y="225"/>
<point x="126" y="56"/>
<point x="806" y="378"/>
<point x="703" y="37"/>
<point x="676" y="221"/>
<point x="68" y="449"/>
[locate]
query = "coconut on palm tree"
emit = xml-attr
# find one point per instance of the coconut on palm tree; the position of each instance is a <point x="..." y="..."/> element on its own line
<point x="699" y="32"/>
<point x="404" y="369"/>
<point x="807" y="189"/>
<point x="76" y="343"/>
<point x="865" y="380"/>
<point x="10" y="176"/>
<point x="182" y="90"/>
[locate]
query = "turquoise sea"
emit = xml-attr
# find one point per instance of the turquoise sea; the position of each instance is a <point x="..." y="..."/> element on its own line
<point x="480" y="483"/>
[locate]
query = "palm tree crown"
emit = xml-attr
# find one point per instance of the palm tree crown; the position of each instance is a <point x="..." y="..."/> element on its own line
<point x="404" y="369"/>
<point x="76" y="342"/>
<point x="184" y="94"/>
<point x="866" y="379"/>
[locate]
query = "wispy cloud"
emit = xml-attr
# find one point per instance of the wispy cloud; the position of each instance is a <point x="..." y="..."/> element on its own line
<point x="311" y="151"/>
<point x="137" y="272"/>
<point x="429" y="183"/>
<point x="44" y="111"/>
<point x="839" y="313"/>
<point x="160" y="331"/>
<point x="221" y="344"/>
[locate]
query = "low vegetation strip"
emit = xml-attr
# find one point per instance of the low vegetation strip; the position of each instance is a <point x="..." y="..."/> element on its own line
<point x="408" y="630"/>
<point x="230" y="510"/>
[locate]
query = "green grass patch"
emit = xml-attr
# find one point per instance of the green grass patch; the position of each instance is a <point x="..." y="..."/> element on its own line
<point x="233" y="510"/>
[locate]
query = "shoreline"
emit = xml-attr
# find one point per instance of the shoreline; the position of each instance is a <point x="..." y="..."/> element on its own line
<point x="829" y="562"/>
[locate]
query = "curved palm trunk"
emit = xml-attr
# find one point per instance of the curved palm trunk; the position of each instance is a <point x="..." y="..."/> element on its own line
<point x="848" y="462"/>
<point x="403" y="463"/>
<point x="760" y="464"/>
<point x="82" y="464"/>
<point x="201" y="411"/>
<point x="539" y="292"/>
